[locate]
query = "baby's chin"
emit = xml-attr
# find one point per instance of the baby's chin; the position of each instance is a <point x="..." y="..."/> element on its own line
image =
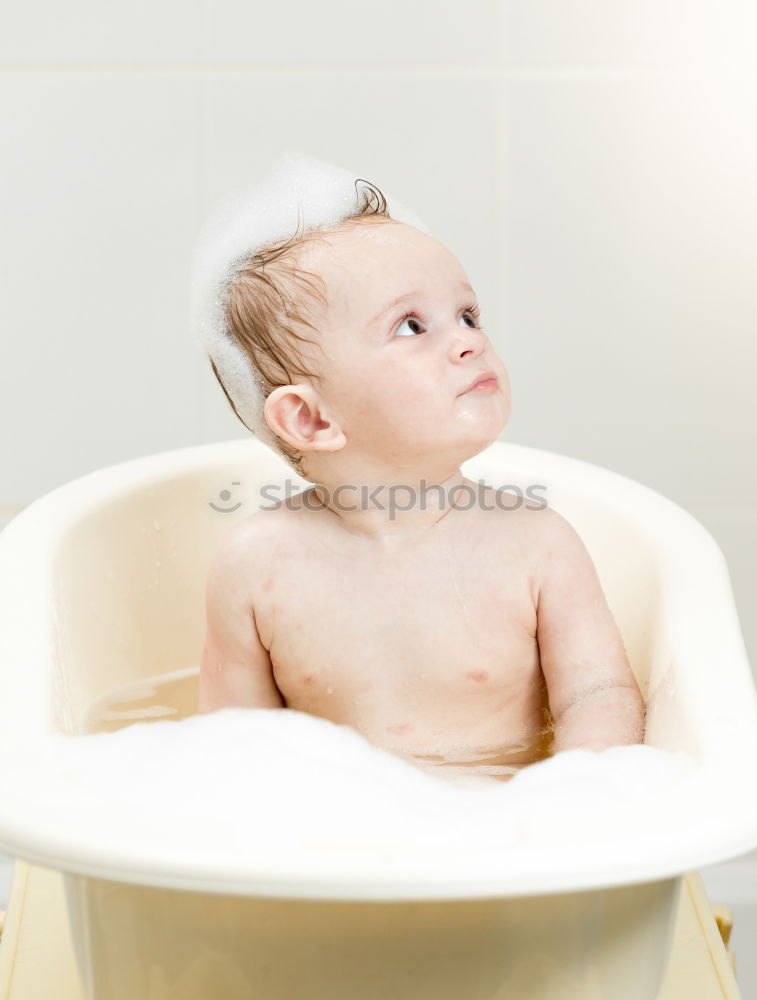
<point x="453" y="452"/>
<point x="436" y="450"/>
<point x="478" y="442"/>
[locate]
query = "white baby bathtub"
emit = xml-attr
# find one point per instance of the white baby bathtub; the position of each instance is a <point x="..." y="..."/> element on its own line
<point x="102" y="585"/>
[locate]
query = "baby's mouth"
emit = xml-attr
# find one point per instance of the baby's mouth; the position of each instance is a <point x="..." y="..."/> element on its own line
<point x="485" y="382"/>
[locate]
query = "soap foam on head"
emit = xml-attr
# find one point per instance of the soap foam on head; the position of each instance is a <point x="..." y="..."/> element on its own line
<point x="300" y="193"/>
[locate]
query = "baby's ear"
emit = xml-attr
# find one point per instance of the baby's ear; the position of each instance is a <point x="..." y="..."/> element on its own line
<point x="295" y="414"/>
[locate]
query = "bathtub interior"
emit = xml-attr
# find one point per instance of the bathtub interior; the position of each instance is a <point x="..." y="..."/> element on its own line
<point x="129" y="581"/>
<point x="129" y="574"/>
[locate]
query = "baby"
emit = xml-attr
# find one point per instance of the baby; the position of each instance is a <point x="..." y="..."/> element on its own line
<point x="455" y="633"/>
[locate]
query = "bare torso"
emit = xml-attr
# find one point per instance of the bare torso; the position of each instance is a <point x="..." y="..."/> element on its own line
<point x="427" y="647"/>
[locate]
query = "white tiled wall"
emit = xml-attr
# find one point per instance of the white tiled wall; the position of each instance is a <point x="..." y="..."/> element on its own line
<point x="663" y="34"/>
<point x="592" y="163"/>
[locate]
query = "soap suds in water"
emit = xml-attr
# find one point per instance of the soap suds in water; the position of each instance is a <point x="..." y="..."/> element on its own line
<point x="238" y="782"/>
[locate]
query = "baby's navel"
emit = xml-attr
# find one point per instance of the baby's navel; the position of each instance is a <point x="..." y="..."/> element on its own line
<point x="478" y="675"/>
<point x="402" y="727"/>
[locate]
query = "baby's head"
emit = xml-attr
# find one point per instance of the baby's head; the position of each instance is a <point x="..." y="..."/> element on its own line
<point x="317" y="337"/>
<point x="274" y="311"/>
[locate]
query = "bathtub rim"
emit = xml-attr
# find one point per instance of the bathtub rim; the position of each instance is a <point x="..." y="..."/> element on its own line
<point x="355" y="884"/>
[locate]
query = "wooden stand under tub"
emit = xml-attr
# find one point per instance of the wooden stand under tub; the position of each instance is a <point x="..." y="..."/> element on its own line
<point x="36" y="957"/>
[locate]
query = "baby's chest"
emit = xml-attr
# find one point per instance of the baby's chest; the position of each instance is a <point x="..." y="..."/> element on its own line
<point x="399" y="632"/>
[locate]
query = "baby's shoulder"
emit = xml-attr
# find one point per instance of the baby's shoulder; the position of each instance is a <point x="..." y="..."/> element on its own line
<point x="548" y="528"/>
<point x="556" y="548"/>
<point x="534" y="528"/>
<point x="546" y="522"/>
<point x="517" y="510"/>
<point x="269" y="527"/>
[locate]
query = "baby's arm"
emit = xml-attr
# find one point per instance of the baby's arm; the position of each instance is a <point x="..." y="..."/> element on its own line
<point x="235" y="670"/>
<point x="593" y="695"/>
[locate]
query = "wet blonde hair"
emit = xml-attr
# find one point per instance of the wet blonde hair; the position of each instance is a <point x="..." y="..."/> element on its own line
<point x="268" y="297"/>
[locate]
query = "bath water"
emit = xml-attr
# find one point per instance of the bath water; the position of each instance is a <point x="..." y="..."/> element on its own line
<point x="174" y="697"/>
<point x="171" y="696"/>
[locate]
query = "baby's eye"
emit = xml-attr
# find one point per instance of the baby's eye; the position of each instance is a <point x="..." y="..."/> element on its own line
<point x="414" y="325"/>
<point x="471" y="317"/>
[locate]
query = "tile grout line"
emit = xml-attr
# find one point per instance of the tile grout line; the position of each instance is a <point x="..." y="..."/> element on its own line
<point x="609" y="72"/>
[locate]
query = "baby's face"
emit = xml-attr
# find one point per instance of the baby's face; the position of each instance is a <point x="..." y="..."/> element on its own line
<point x="402" y="344"/>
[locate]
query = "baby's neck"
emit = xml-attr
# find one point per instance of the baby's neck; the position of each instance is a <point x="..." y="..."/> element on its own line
<point x="402" y="507"/>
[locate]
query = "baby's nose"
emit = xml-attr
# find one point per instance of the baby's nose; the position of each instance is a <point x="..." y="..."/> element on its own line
<point x="467" y="342"/>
